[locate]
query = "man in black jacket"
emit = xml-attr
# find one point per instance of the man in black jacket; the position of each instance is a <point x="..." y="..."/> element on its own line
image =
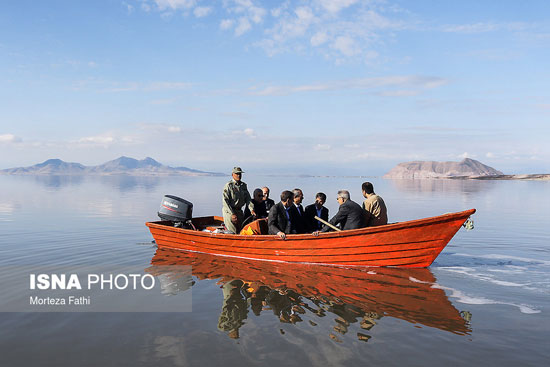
<point x="316" y="209"/>
<point x="267" y="201"/>
<point x="350" y="215"/>
<point x="282" y="215"/>
<point x="258" y="204"/>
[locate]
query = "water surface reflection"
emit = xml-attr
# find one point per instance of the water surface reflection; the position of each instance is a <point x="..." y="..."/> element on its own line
<point x="301" y="293"/>
<point x="442" y="185"/>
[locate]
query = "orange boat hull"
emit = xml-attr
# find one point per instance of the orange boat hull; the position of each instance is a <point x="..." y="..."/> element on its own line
<point x="415" y="243"/>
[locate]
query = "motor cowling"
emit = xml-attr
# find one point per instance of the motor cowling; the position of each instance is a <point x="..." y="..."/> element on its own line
<point x="175" y="209"/>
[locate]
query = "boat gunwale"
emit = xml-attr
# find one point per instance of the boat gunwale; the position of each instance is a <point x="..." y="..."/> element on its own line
<point x="323" y="235"/>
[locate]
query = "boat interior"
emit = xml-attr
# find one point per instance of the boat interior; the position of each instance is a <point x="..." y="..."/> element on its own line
<point x="215" y="224"/>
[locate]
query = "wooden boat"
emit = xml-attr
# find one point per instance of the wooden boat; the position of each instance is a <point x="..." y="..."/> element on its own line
<point x="410" y="244"/>
<point x="406" y="294"/>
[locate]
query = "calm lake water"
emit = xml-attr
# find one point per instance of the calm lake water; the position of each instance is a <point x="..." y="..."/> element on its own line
<point x="485" y="300"/>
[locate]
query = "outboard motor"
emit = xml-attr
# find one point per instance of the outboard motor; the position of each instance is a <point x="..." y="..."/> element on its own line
<point x="177" y="210"/>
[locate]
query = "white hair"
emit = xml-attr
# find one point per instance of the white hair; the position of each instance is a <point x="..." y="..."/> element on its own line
<point x="344" y="194"/>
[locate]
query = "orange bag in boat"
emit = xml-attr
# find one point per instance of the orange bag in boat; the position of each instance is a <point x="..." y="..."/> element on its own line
<point x="257" y="227"/>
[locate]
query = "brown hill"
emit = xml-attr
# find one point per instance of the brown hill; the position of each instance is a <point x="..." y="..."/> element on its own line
<point x="430" y="169"/>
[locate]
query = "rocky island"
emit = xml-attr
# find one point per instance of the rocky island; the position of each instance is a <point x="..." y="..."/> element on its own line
<point x="466" y="169"/>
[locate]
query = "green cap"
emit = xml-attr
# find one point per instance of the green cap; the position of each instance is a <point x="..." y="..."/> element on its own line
<point x="237" y="170"/>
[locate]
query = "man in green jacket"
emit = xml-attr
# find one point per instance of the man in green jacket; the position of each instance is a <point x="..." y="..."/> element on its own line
<point x="235" y="196"/>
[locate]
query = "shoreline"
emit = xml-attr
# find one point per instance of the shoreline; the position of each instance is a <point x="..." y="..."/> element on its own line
<point x="531" y="177"/>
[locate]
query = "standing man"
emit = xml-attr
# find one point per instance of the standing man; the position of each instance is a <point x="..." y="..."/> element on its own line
<point x="374" y="206"/>
<point x="349" y="216"/>
<point x="316" y="209"/>
<point x="267" y="201"/>
<point x="235" y="196"/>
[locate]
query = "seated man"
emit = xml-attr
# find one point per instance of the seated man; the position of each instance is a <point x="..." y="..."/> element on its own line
<point x="258" y="204"/>
<point x="300" y="224"/>
<point x="374" y="206"/>
<point x="282" y="215"/>
<point x="316" y="209"/>
<point x="267" y="201"/>
<point x="349" y="216"/>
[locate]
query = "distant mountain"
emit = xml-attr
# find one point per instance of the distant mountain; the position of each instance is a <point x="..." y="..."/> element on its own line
<point x="124" y="165"/>
<point x="429" y="169"/>
<point x="49" y="167"/>
<point x="119" y="166"/>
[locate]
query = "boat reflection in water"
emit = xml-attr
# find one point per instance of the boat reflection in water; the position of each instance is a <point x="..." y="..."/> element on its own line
<point x="294" y="292"/>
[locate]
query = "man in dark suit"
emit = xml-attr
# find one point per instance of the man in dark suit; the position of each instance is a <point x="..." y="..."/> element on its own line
<point x="267" y="201"/>
<point x="300" y="224"/>
<point x="282" y="215"/>
<point x="350" y="215"/>
<point x="316" y="209"/>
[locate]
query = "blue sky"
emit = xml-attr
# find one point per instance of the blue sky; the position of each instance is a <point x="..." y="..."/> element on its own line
<point x="317" y="86"/>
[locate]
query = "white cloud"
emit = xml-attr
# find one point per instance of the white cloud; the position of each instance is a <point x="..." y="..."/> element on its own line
<point x="490" y="155"/>
<point x="471" y="28"/>
<point x="350" y="36"/>
<point x="249" y="132"/>
<point x="127" y="87"/>
<point x="246" y="13"/>
<point x="243" y="26"/>
<point x="175" y="4"/>
<point x="399" y="93"/>
<point x="370" y="55"/>
<point x="363" y="156"/>
<point x="335" y="6"/>
<point x="346" y="46"/>
<point x="483" y="27"/>
<point x="110" y="139"/>
<point x="98" y="139"/>
<point x="531" y="30"/>
<point x="9" y="138"/>
<point x="202" y="11"/>
<point x="129" y="8"/>
<point x="253" y="12"/>
<point x="256" y="14"/>
<point x="166" y="85"/>
<point x="293" y="25"/>
<point x="466" y="155"/>
<point x="163" y="101"/>
<point x="318" y="39"/>
<point x="304" y="26"/>
<point x="115" y="87"/>
<point x="322" y="147"/>
<point x="405" y="81"/>
<point x="225" y="24"/>
<point x="160" y="128"/>
<point x="276" y="12"/>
